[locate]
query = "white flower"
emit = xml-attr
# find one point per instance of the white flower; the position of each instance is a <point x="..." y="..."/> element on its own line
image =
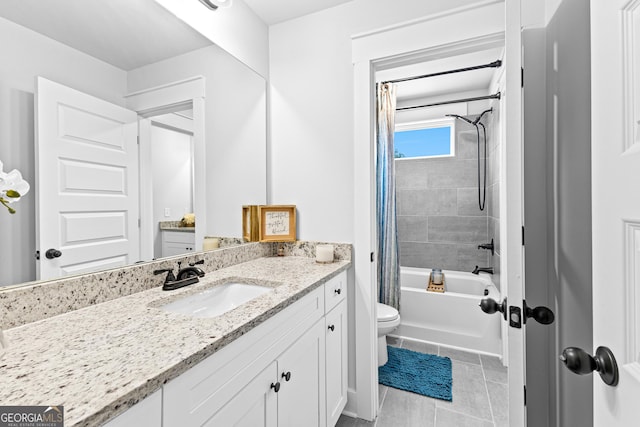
<point x="12" y="187"/>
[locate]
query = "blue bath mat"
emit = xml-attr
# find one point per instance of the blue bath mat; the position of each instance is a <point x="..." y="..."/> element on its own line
<point x="425" y="374"/>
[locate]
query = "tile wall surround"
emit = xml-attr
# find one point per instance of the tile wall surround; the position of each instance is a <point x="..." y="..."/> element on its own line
<point x="20" y="305"/>
<point x="439" y="221"/>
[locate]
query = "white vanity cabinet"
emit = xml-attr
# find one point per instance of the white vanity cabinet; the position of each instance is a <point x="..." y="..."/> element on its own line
<point x="289" y="392"/>
<point x="177" y="242"/>
<point x="290" y="371"/>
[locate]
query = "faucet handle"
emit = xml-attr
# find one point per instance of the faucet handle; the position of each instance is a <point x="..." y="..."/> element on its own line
<point x="170" y="277"/>
<point x="196" y="263"/>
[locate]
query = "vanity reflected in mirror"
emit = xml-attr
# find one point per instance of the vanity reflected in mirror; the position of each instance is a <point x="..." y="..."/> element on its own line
<point x="201" y="152"/>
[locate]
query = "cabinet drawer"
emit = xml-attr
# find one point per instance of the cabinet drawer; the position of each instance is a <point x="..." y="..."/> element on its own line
<point x="335" y="290"/>
<point x="179" y="237"/>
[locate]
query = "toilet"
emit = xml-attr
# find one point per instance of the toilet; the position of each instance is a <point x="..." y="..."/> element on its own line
<point x="388" y="321"/>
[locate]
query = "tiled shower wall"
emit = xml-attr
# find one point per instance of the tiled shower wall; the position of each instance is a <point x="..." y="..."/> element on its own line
<point x="439" y="221"/>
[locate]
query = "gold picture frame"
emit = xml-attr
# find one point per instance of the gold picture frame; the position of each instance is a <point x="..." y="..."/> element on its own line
<point x="277" y="223"/>
<point x="250" y="226"/>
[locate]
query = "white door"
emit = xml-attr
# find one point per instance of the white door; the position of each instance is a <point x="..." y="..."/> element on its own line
<point x="87" y="186"/>
<point x="615" y="152"/>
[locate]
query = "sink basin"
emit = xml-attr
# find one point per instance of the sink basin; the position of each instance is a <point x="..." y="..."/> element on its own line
<point x="217" y="300"/>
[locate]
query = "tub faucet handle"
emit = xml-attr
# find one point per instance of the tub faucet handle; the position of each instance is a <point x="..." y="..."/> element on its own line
<point x="488" y="246"/>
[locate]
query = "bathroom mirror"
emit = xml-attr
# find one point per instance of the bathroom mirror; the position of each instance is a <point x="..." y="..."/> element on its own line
<point x="110" y="50"/>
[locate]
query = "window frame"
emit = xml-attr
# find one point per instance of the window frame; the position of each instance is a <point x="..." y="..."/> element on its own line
<point x="430" y="124"/>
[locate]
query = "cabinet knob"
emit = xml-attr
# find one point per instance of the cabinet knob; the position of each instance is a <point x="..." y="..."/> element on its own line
<point x="276" y="386"/>
<point x="331" y="328"/>
<point x="338" y="291"/>
<point x="286" y="376"/>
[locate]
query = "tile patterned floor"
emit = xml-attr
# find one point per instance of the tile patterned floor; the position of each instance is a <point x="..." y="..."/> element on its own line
<point x="479" y="395"/>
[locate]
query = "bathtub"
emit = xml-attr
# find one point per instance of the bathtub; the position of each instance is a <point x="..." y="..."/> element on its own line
<point x="452" y="318"/>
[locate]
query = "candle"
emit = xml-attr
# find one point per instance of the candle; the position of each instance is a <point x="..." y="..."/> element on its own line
<point x="210" y="243"/>
<point x="324" y="253"/>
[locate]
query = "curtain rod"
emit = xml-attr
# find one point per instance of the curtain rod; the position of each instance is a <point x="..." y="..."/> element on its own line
<point x="454" y="101"/>
<point x="494" y="64"/>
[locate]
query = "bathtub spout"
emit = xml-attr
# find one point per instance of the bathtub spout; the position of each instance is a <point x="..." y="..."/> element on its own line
<point x="482" y="269"/>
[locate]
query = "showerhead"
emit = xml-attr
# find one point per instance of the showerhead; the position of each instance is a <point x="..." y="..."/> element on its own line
<point x="460" y="118"/>
<point x="471" y="122"/>
<point x="477" y="120"/>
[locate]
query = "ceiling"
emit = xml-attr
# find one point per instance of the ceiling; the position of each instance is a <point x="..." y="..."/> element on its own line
<point x="275" y="11"/>
<point x="125" y="33"/>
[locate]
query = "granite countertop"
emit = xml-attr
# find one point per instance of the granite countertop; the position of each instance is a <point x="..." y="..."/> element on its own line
<point x="100" y="360"/>
<point x="176" y="226"/>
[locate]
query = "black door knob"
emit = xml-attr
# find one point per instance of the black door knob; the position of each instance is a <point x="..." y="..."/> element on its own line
<point x="331" y="328"/>
<point x="276" y="386"/>
<point x="337" y="291"/>
<point x="490" y="306"/>
<point x="542" y="315"/>
<point x="52" y="253"/>
<point x="580" y="362"/>
<point x="286" y="376"/>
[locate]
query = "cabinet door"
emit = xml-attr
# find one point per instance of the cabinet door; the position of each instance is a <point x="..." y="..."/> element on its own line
<point x="301" y="400"/>
<point x="337" y="362"/>
<point x="256" y="405"/>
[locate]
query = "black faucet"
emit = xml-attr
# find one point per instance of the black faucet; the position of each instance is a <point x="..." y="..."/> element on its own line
<point x="487" y="246"/>
<point x="482" y="269"/>
<point x="191" y="271"/>
<point x="170" y="276"/>
<point x="186" y="276"/>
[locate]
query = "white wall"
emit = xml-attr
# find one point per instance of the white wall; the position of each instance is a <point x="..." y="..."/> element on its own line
<point x="235" y="130"/>
<point x="236" y="29"/>
<point x="24" y="55"/>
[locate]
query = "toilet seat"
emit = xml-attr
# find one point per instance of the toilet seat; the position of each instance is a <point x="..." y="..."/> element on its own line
<point x="387" y="313"/>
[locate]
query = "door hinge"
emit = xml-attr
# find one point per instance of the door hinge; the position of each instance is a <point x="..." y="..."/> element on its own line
<point x="139" y="222"/>
<point x="138" y="139"/>
<point x="37" y="255"/>
<point x="521" y="76"/>
<point x="525" y="395"/>
<point x="523" y="235"/>
<point x="371" y="256"/>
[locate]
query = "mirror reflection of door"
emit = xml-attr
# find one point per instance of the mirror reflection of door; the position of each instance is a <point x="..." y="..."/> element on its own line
<point x="172" y="182"/>
<point x="87" y="182"/>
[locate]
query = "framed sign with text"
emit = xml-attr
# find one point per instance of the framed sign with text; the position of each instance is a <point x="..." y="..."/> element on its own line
<point x="277" y="223"/>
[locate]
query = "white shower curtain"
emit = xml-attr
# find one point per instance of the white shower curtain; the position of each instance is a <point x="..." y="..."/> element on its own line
<point x="388" y="265"/>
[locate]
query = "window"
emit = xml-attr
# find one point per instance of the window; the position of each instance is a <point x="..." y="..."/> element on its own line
<point x="433" y="138"/>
